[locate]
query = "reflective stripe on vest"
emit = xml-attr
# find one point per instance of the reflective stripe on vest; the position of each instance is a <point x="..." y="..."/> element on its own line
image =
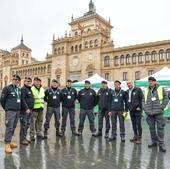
<point x="160" y="95"/>
<point x="38" y="97"/>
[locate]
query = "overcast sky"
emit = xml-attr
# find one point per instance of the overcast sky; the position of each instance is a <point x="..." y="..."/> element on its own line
<point x="134" y="21"/>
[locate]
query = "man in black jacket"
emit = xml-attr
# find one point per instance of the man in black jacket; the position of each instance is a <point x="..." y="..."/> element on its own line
<point x="68" y="98"/>
<point x="11" y="103"/>
<point x="87" y="100"/>
<point x="117" y="107"/>
<point x="27" y="104"/>
<point x="134" y="104"/>
<point x="53" y="98"/>
<point x="103" y="100"/>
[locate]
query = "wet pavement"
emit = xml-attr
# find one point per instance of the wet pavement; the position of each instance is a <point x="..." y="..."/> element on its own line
<point x="85" y="152"/>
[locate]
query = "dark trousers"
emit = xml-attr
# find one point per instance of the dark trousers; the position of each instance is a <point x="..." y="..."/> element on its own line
<point x="50" y="112"/>
<point x="114" y="116"/>
<point x="36" y="123"/>
<point x="11" y="120"/>
<point x="156" y="125"/>
<point x="25" y="120"/>
<point x="82" y="118"/>
<point x="65" y="112"/>
<point x="136" y="123"/>
<point x="103" y="113"/>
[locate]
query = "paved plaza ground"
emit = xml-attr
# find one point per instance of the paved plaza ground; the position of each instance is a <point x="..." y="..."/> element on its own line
<point x="85" y="152"/>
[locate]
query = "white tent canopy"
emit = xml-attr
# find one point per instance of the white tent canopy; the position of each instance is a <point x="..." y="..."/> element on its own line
<point x="163" y="74"/>
<point x="162" y="77"/>
<point x="93" y="79"/>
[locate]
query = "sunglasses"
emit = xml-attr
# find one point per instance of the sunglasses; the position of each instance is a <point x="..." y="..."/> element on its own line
<point x="29" y="81"/>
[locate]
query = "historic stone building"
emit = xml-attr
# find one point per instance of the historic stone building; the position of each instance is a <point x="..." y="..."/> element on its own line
<point x="85" y="50"/>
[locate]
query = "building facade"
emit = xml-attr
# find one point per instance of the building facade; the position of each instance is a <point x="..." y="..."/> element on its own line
<point x="87" y="49"/>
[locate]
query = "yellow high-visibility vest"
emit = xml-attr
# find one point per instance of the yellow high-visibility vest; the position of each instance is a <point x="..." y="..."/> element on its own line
<point x="38" y="97"/>
<point x="160" y="95"/>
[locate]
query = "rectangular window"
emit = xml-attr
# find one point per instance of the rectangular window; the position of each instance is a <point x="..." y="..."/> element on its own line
<point x="58" y="78"/>
<point x="150" y="72"/>
<point x="90" y="74"/>
<point x="107" y="76"/>
<point x="137" y="75"/>
<point x="125" y="76"/>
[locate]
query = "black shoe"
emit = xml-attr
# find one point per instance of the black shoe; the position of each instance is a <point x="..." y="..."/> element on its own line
<point x="75" y="133"/>
<point x="80" y="133"/>
<point x="122" y="139"/>
<point x="134" y="139"/>
<point x="98" y="134"/>
<point x="152" y="145"/>
<point x="45" y="137"/>
<point x="112" y="138"/>
<point x="32" y="138"/>
<point x="40" y="137"/>
<point x="45" y="134"/>
<point x="138" y="141"/>
<point x="59" y="134"/>
<point x="162" y="148"/>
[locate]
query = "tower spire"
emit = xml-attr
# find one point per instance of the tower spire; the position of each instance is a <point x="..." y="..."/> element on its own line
<point x="22" y="39"/>
<point x="92" y="6"/>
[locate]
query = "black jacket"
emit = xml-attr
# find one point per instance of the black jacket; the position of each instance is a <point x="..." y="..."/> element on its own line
<point x="103" y="98"/>
<point x="117" y="101"/>
<point x="10" y="100"/>
<point x="136" y="99"/>
<point x="68" y="97"/>
<point x="53" y="97"/>
<point x="87" y="99"/>
<point x="27" y="100"/>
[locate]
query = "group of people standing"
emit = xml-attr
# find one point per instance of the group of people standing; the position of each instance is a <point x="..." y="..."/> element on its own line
<point x="27" y="104"/>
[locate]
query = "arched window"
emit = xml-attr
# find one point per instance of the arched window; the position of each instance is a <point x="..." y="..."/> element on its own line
<point x="63" y="49"/>
<point x="88" y="30"/>
<point x="140" y="57"/>
<point x="153" y="56"/>
<point x="80" y="46"/>
<point x="91" y="43"/>
<point x="86" y="44"/>
<point x="127" y="59"/>
<point x="59" y="50"/>
<point x="106" y="61"/>
<point x="161" y="54"/>
<point x="76" y="48"/>
<point x="134" y="58"/>
<point x="147" y="56"/>
<point x="96" y="43"/>
<point x="72" y="49"/>
<point x="116" y="60"/>
<point x="122" y="59"/>
<point x="76" y="33"/>
<point x="55" y="50"/>
<point x="168" y="54"/>
<point x="49" y="69"/>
